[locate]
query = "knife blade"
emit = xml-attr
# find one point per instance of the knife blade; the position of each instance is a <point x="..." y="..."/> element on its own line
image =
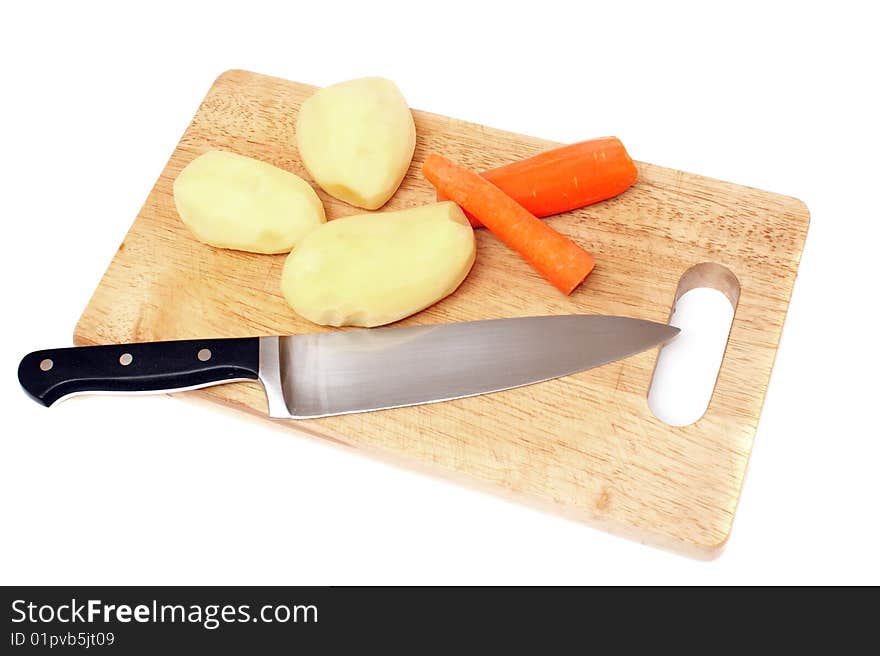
<point x="341" y="372"/>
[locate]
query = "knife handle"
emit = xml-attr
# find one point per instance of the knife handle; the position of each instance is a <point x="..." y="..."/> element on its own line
<point x="51" y="375"/>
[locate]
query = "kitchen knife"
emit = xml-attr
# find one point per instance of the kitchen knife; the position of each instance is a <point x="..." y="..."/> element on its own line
<point x="332" y="373"/>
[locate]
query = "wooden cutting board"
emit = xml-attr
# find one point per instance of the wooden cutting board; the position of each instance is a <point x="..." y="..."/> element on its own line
<point x="586" y="446"/>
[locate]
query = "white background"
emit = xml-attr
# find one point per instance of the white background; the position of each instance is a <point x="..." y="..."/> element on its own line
<point x="781" y="96"/>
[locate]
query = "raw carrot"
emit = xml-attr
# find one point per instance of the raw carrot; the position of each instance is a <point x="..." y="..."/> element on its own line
<point x="554" y="256"/>
<point x="566" y="178"/>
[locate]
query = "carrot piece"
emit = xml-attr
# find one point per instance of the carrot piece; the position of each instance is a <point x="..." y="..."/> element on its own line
<point x="554" y="256"/>
<point x="566" y="178"/>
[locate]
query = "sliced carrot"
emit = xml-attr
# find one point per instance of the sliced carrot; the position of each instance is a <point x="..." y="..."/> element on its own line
<point x="566" y="178"/>
<point x="554" y="256"/>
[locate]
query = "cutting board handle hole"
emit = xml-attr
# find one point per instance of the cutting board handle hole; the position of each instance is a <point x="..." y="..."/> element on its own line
<point x="687" y="367"/>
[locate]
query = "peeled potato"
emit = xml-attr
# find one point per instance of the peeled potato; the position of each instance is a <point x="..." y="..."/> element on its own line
<point x="232" y="201"/>
<point x="356" y="139"/>
<point x="372" y="269"/>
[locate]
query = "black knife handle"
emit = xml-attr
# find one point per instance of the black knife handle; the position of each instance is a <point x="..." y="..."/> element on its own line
<point x="50" y="375"/>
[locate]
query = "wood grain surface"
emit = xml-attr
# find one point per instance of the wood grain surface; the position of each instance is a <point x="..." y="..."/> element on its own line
<point x="585" y="446"/>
